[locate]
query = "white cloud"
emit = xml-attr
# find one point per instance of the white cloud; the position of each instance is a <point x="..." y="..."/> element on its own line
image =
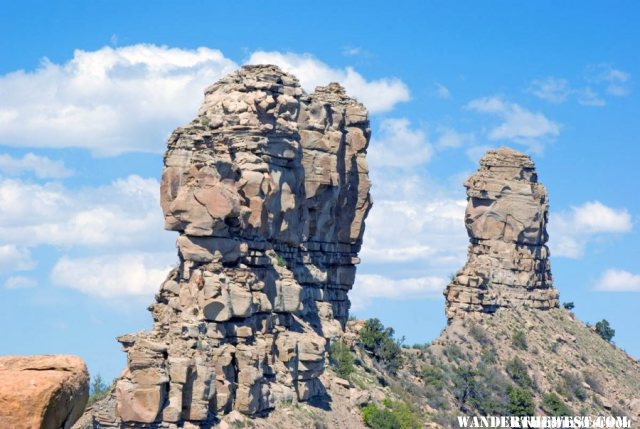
<point x="397" y="144"/>
<point x="588" y="97"/>
<point x="108" y="101"/>
<point x="551" y="89"/>
<point x="571" y="231"/>
<point x="371" y="286"/>
<point x="41" y="166"/>
<point x="618" y="281"/>
<point x="128" y="99"/>
<point x="15" y="258"/>
<point x="595" y="217"/>
<point x="617" y="81"/>
<point x="429" y="231"/>
<point x="519" y="124"/>
<point x="378" y="95"/>
<point x="126" y="212"/>
<point x="113" y="276"/>
<point x="19" y="282"/>
<point x="442" y="91"/>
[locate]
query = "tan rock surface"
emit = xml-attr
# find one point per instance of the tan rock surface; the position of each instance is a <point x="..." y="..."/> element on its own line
<point x="508" y="260"/>
<point x="47" y="392"/>
<point x="268" y="188"/>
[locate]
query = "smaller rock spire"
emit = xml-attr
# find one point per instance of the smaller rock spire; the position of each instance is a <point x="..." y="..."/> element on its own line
<point x="506" y="218"/>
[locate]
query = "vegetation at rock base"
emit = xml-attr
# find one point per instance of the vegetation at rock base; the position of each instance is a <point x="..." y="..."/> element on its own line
<point x="605" y="330"/>
<point x="341" y="359"/>
<point x="520" y="402"/>
<point x="393" y="415"/>
<point x="517" y="370"/>
<point x="379" y="340"/>
<point x="553" y="405"/>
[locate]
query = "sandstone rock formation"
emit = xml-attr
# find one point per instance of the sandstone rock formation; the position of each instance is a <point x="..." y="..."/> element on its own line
<point x="268" y="189"/>
<point x="47" y="392"/>
<point x="506" y="220"/>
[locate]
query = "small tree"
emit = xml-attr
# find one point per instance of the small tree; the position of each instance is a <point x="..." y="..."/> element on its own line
<point x="380" y="342"/>
<point x="97" y="390"/>
<point x="605" y="330"/>
<point x="520" y="402"/>
<point x="569" y="305"/>
<point x="341" y="358"/>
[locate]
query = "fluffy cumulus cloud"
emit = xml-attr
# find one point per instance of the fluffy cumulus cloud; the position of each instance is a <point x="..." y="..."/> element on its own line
<point x="119" y="225"/>
<point x="572" y="230"/>
<point x="371" y="286"/>
<point x="125" y="212"/>
<point x="518" y="125"/>
<point x="398" y="144"/>
<point x="127" y="99"/>
<point x="14" y="257"/>
<point x="430" y="231"/>
<point x="379" y="95"/>
<point x="39" y="166"/>
<point x="618" y="281"/>
<point x="109" y="100"/>
<point x="113" y="276"/>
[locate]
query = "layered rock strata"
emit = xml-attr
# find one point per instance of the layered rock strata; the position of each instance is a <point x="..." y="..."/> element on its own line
<point x="45" y="391"/>
<point x="268" y="188"/>
<point x="508" y="260"/>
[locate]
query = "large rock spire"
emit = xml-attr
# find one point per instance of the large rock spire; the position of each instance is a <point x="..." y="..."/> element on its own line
<point x="268" y="189"/>
<point x="506" y="220"/>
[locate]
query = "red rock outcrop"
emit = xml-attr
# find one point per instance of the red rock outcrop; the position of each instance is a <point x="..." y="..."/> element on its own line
<point x="42" y="392"/>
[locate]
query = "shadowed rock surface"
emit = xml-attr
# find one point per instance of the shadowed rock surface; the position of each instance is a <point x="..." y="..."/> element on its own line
<point x="268" y="189"/>
<point x="506" y="219"/>
<point x="46" y="391"/>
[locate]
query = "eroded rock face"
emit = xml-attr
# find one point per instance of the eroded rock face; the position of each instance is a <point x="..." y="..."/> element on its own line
<point x="47" y="392"/>
<point x="268" y="189"/>
<point x="506" y="220"/>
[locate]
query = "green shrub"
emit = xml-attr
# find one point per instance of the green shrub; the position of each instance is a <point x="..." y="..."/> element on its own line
<point x="519" y="340"/>
<point x="280" y="261"/>
<point x="380" y="342"/>
<point x="378" y="418"/>
<point x="97" y="390"/>
<point x="489" y="356"/>
<point x="520" y="402"/>
<point x="433" y="376"/>
<point x="517" y="370"/>
<point x="464" y="383"/>
<point x="553" y="405"/>
<point x="569" y="305"/>
<point x="605" y="330"/>
<point x="393" y="415"/>
<point x="341" y="359"/>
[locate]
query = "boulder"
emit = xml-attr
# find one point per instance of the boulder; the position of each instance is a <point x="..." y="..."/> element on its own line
<point x="46" y="391"/>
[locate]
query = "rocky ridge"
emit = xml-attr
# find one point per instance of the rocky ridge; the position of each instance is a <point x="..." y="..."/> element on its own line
<point x="508" y="260"/>
<point x="268" y="190"/>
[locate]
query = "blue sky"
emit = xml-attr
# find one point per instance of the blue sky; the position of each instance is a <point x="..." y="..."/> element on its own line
<point x="90" y="90"/>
